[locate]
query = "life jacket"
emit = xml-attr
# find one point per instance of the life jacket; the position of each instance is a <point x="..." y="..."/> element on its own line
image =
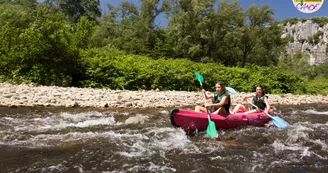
<point x="259" y="102"/>
<point x="216" y="99"/>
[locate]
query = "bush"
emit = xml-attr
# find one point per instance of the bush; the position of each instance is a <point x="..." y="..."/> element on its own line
<point x="318" y="86"/>
<point x="116" y="70"/>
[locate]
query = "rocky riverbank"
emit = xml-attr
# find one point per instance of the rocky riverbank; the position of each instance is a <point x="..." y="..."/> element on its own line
<point x="30" y="95"/>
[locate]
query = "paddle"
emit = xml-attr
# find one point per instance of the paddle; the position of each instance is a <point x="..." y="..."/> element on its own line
<point x="211" y="129"/>
<point x="279" y="122"/>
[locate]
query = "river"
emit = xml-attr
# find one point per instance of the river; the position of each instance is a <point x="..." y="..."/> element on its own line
<point x="83" y="140"/>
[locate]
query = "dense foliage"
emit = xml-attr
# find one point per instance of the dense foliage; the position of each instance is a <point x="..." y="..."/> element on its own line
<point x="111" y="68"/>
<point x="65" y="43"/>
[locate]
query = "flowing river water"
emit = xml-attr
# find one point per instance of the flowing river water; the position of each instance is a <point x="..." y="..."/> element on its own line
<point x="121" y="140"/>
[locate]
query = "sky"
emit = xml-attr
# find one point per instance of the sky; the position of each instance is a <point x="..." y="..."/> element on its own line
<point x="282" y="8"/>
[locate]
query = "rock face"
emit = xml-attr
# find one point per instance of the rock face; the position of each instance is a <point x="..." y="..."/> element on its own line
<point x="308" y="37"/>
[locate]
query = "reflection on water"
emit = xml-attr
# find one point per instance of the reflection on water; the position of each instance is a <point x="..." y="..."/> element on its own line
<point x="104" y="140"/>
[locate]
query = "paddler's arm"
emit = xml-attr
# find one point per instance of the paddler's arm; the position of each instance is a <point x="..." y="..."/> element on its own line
<point x="247" y="97"/>
<point x="220" y="104"/>
<point x="207" y="96"/>
<point x="267" y="108"/>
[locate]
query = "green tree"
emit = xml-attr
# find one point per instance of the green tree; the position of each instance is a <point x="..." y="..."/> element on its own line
<point x="42" y="50"/>
<point x="83" y="31"/>
<point x="251" y="32"/>
<point x="133" y="30"/>
<point x="126" y="29"/>
<point x="146" y="27"/>
<point x="321" y="69"/>
<point x="271" y="47"/>
<point x="258" y="39"/>
<point x="150" y="9"/>
<point x="185" y="27"/>
<point x="297" y="64"/>
<point x="75" y="9"/>
<point x="108" y="28"/>
<point x="230" y="16"/>
<point x="32" y="4"/>
<point x="14" y="19"/>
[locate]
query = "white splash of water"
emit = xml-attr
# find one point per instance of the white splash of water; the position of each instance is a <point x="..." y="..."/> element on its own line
<point x="294" y="112"/>
<point x="298" y="134"/>
<point x="321" y="143"/>
<point x="170" y="138"/>
<point x="164" y="112"/>
<point x="137" y="149"/>
<point x="58" y="167"/>
<point x="126" y="135"/>
<point x="64" y="120"/>
<point x="315" y="112"/>
<point x="138" y="119"/>
<point x="280" y="146"/>
<point x="216" y="158"/>
<point x="158" y="168"/>
<point x="88" y="123"/>
<point x="80" y="116"/>
<point x="299" y="131"/>
<point x="159" y="139"/>
<point x="306" y="152"/>
<point x="151" y="167"/>
<point x="321" y="126"/>
<point x="47" y="140"/>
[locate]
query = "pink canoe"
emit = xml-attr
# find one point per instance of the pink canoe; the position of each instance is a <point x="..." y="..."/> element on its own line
<point x="190" y="120"/>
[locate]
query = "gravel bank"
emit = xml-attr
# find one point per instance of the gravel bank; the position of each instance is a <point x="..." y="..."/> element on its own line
<point x="30" y="95"/>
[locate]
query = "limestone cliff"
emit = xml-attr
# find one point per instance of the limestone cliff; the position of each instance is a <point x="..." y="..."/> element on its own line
<point x="310" y="37"/>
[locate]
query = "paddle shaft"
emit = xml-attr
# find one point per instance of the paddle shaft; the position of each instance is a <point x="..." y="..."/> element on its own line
<point x="208" y="113"/>
<point x="255" y="106"/>
<point x="276" y="120"/>
<point x="259" y="109"/>
<point x="211" y="129"/>
<point x="204" y="95"/>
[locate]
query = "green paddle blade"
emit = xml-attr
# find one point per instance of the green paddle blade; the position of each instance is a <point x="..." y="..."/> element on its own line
<point x="211" y="129"/>
<point x="199" y="77"/>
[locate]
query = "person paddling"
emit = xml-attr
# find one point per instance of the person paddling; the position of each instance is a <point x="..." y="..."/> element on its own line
<point x="260" y="99"/>
<point x="220" y="100"/>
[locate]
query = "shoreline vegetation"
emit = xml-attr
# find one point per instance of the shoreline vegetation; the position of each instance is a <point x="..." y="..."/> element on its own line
<point x="29" y="95"/>
<point x="124" y="49"/>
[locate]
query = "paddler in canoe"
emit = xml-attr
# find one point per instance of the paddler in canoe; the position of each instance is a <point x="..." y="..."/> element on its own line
<point x="220" y="100"/>
<point x="260" y="99"/>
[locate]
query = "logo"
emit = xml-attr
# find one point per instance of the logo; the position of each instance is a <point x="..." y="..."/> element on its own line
<point x="308" y="6"/>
